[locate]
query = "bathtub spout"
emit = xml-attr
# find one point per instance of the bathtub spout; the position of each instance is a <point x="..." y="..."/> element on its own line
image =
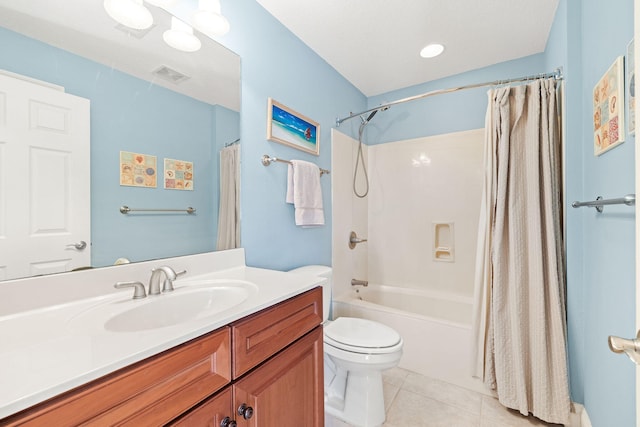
<point x="356" y="282"/>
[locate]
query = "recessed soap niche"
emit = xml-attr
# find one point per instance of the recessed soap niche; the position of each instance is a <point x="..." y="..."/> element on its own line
<point x="443" y="242"/>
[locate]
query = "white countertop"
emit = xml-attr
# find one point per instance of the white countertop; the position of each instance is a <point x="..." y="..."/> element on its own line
<point x="46" y="351"/>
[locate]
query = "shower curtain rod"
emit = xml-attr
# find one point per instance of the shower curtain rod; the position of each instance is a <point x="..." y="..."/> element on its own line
<point x="556" y="74"/>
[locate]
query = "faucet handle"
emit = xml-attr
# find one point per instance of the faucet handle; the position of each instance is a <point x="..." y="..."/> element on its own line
<point x="167" y="285"/>
<point x="138" y="291"/>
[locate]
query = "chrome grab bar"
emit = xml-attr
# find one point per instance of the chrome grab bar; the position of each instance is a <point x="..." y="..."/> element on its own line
<point x="127" y="209"/>
<point x="599" y="202"/>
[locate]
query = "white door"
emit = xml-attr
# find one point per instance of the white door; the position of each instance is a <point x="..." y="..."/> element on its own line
<point x="44" y="180"/>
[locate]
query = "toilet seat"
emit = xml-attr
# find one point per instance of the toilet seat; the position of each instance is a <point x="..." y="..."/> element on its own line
<point x="361" y="336"/>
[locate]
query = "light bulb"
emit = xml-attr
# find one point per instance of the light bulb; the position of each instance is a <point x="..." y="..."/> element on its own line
<point x="181" y="37"/>
<point x="130" y="13"/>
<point x="208" y="18"/>
<point x="162" y="3"/>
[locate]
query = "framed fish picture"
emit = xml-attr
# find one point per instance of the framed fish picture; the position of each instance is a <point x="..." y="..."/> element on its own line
<point x="291" y="128"/>
<point x="608" y="109"/>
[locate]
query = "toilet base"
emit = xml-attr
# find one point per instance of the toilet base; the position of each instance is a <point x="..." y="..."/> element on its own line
<point x="363" y="404"/>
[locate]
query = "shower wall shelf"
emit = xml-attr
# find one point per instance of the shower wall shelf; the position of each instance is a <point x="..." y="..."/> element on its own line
<point x="267" y="160"/>
<point x="599" y="202"/>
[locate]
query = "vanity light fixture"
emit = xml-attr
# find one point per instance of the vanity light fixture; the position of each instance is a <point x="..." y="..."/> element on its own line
<point x="208" y="18"/>
<point x="432" y="50"/>
<point x="181" y="37"/>
<point x="130" y="13"/>
<point x="162" y="3"/>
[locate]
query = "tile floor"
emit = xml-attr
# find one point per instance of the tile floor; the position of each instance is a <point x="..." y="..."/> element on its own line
<point x="417" y="401"/>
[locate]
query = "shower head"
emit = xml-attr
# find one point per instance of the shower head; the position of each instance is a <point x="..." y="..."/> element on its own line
<point x="373" y="113"/>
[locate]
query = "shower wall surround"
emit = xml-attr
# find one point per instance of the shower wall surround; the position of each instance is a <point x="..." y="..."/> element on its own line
<point x="349" y="213"/>
<point x="414" y="184"/>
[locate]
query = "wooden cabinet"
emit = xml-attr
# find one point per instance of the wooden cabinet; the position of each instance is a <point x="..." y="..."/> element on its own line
<point x="211" y="413"/>
<point x="286" y="391"/>
<point x="278" y="369"/>
<point x="151" y="392"/>
<point x="270" y="361"/>
<point x="263" y="334"/>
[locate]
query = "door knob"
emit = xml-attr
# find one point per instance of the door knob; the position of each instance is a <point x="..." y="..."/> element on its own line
<point x="79" y="246"/>
<point x="228" y="422"/>
<point x="245" y="410"/>
<point x="631" y="347"/>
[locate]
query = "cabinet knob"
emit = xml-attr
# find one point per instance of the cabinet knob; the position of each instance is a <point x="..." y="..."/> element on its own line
<point x="228" y="422"/>
<point x="246" y="411"/>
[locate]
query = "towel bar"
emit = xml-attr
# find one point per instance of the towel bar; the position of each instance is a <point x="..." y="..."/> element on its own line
<point x="127" y="209"/>
<point x="267" y="160"/>
<point x="629" y="200"/>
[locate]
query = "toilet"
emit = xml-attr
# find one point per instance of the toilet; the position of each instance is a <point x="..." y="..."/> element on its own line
<point x="356" y="351"/>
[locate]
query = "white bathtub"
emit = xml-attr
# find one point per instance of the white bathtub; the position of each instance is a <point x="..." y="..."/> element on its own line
<point x="436" y="328"/>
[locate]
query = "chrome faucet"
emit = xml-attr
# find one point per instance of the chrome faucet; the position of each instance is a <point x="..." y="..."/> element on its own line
<point x="170" y="276"/>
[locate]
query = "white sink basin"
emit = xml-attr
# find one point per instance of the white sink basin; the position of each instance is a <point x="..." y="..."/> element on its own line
<point x="188" y="302"/>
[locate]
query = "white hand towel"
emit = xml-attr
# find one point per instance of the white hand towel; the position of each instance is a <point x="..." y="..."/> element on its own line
<point x="304" y="191"/>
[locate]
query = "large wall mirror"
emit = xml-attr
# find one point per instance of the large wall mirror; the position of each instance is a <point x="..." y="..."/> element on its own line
<point x="164" y="106"/>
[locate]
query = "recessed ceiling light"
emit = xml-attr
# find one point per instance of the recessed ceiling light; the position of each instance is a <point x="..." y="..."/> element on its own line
<point x="432" y="50"/>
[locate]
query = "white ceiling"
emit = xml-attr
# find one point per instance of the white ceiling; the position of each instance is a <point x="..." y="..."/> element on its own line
<point x="375" y="44"/>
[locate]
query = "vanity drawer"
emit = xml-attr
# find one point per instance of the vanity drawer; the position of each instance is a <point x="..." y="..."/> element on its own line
<point x="151" y="392"/>
<point x="263" y="334"/>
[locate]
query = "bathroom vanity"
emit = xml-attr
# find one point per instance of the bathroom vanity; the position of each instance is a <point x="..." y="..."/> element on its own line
<point x="258" y="363"/>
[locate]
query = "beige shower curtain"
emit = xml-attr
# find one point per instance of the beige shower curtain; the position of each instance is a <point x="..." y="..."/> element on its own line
<point x="519" y="314"/>
<point x="229" y="212"/>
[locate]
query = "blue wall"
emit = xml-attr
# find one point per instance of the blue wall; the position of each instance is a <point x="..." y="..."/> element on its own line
<point x="277" y="64"/>
<point x="606" y="290"/>
<point x="129" y="114"/>
<point x="584" y="40"/>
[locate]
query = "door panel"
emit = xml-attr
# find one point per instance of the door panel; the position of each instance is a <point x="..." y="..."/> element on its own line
<point x="44" y="179"/>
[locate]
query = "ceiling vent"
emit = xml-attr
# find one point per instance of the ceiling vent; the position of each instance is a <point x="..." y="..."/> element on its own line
<point x="170" y="75"/>
<point x="134" y="32"/>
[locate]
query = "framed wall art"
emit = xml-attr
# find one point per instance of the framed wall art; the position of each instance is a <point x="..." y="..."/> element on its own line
<point x="137" y="170"/>
<point x="608" y="109"/>
<point x="178" y="174"/>
<point x="291" y="128"/>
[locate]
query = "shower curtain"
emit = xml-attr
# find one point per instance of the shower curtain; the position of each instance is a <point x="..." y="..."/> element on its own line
<point x="229" y="211"/>
<point x="519" y="310"/>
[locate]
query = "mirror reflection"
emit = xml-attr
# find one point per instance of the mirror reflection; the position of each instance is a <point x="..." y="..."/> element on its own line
<point x="94" y="116"/>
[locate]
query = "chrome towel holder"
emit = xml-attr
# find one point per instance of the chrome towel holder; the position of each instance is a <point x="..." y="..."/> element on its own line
<point x="267" y="160"/>
<point x="599" y="202"/>
<point x="126" y="209"/>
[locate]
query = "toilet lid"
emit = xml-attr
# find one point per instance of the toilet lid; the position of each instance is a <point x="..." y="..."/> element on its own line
<point x="361" y="333"/>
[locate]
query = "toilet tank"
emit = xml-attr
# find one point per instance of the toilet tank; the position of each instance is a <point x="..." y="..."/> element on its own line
<point x="320" y="271"/>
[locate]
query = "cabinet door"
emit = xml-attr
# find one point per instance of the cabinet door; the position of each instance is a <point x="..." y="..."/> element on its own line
<point x="287" y="390"/>
<point x="210" y="413"/>
<point x="262" y="335"/>
<point x="149" y="393"/>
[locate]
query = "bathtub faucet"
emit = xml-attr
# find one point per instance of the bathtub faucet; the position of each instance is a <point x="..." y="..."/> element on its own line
<point x="356" y="282"/>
